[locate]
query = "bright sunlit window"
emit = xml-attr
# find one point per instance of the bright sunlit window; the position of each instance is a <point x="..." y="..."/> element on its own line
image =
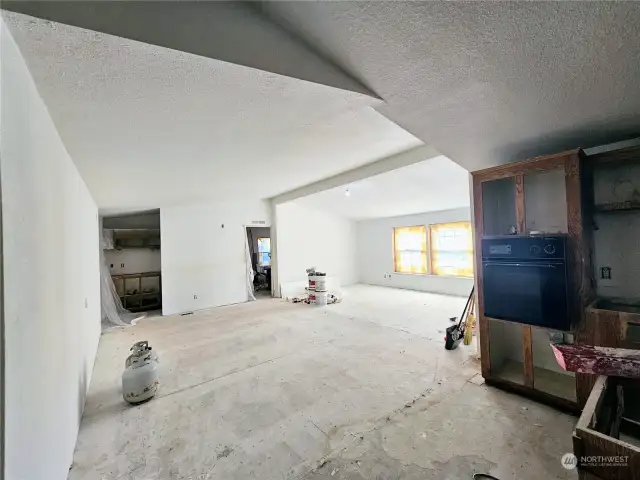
<point x="451" y="249"/>
<point x="264" y="251"/>
<point x="410" y="249"/>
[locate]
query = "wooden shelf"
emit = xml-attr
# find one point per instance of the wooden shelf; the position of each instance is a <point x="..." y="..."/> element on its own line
<point x="559" y="385"/>
<point x="618" y="206"/>
<point x="511" y="371"/>
<point x="140" y="300"/>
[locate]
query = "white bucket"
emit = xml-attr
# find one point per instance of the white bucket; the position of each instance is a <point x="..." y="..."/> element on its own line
<point x="321" y="299"/>
<point x="321" y="283"/>
<point x="312" y="283"/>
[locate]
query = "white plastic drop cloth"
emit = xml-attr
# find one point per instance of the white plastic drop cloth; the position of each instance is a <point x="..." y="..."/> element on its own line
<point x="113" y="313"/>
<point x="250" y="273"/>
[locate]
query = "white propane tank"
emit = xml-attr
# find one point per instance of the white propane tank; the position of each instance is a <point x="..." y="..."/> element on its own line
<point x="140" y="377"/>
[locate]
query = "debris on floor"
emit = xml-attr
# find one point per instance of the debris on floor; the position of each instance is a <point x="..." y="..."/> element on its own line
<point x="316" y="292"/>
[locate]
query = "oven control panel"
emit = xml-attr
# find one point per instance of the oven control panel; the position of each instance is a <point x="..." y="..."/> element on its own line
<point x="500" y="249"/>
<point x="524" y="247"/>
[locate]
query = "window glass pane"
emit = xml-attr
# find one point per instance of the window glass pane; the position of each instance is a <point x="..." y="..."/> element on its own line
<point x="410" y="249"/>
<point x="407" y="240"/>
<point x="452" y="239"/>
<point x="264" y="245"/>
<point x="264" y="259"/>
<point x="452" y="249"/>
<point x="457" y="264"/>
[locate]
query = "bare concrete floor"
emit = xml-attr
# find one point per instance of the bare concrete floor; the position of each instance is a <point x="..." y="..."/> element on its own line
<point x="270" y="390"/>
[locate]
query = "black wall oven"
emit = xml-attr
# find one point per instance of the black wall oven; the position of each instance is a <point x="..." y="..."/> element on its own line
<point x="525" y="280"/>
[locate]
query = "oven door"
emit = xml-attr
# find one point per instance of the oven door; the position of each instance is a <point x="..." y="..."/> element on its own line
<point x="534" y="293"/>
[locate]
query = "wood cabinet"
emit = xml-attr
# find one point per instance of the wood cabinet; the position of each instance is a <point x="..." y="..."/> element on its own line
<point x="607" y="436"/>
<point x="543" y="194"/>
<point x="611" y="196"/>
<point x="139" y="291"/>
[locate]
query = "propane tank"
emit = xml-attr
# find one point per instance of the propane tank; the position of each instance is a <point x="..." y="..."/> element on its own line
<point x="140" y="376"/>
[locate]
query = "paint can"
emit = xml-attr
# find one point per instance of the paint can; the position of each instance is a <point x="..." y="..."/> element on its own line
<point x="321" y="299"/>
<point x="312" y="283"/>
<point x="321" y="282"/>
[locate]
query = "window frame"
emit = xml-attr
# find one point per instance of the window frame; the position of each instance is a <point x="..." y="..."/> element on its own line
<point x="425" y="252"/>
<point x="433" y="252"/>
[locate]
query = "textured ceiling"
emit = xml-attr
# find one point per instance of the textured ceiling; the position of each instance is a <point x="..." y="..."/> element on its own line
<point x="230" y="31"/>
<point x="148" y="126"/>
<point x="487" y="82"/>
<point x="432" y="185"/>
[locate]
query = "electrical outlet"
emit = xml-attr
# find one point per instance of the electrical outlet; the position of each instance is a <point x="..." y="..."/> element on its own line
<point x="122" y="265"/>
<point x="195" y="297"/>
<point x="605" y="273"/>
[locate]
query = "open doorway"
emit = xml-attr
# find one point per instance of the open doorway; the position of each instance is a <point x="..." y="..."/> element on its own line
<point x="134" y="262"/>
<point x="259" y="240"/>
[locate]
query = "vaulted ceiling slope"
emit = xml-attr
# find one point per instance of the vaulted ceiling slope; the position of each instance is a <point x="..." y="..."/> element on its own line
<point x="487" y="82"/>
<point x="223" y="30"/>
<point x="149" y="126"/>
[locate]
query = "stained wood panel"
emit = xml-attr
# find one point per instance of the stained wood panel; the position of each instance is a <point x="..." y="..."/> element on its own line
<point x="590" y="441"/>
<point x="527" y="354"/>
<point x="546" y="162"/>
<point x="483" y="328"/>
<point x="520" y="207"/>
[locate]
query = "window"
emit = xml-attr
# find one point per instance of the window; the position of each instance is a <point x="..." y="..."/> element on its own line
<point x="410" y="249"/>
<point x="451" y="249"/>
<point x="264" y="251"/>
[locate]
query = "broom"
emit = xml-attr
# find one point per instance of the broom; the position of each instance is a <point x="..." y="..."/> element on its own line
<point x="469" y="324"/>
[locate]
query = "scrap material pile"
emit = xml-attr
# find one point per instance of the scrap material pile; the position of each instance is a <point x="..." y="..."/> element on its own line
<point x="316" y="292"/>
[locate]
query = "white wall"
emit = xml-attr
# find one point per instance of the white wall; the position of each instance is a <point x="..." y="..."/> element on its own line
<point x="204" y="254"/>
<point x="375" y="254"/>
<point x="312" y="238"/>
<point x="52" y="288"/>
<point x="135" y="260"/>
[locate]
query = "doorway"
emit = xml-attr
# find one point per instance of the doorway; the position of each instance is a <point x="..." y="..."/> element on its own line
<point x="259" y="240"/>
<point x="132" y="266"/>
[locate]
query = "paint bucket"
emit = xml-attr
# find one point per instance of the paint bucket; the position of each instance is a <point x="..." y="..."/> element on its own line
<point x="321" y="282"/>
<point x="321" y="299"/>
<point x="312" y="283"/>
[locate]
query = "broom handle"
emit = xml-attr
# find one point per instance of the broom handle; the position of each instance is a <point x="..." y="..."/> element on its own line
<point x="466" y="306"/>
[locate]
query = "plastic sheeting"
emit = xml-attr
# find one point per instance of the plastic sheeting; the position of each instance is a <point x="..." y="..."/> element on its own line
<point x="250" y="273"/>
<point x="113" y="313"/>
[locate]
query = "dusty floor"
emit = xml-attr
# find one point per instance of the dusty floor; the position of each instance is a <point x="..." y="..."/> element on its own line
<point x="270" y="390"/>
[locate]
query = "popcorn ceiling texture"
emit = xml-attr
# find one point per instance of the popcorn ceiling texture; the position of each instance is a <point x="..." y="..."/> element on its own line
<point x="487" y="82"/>
<point x="150" y="127"/>
<point x="483" y="82"/>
